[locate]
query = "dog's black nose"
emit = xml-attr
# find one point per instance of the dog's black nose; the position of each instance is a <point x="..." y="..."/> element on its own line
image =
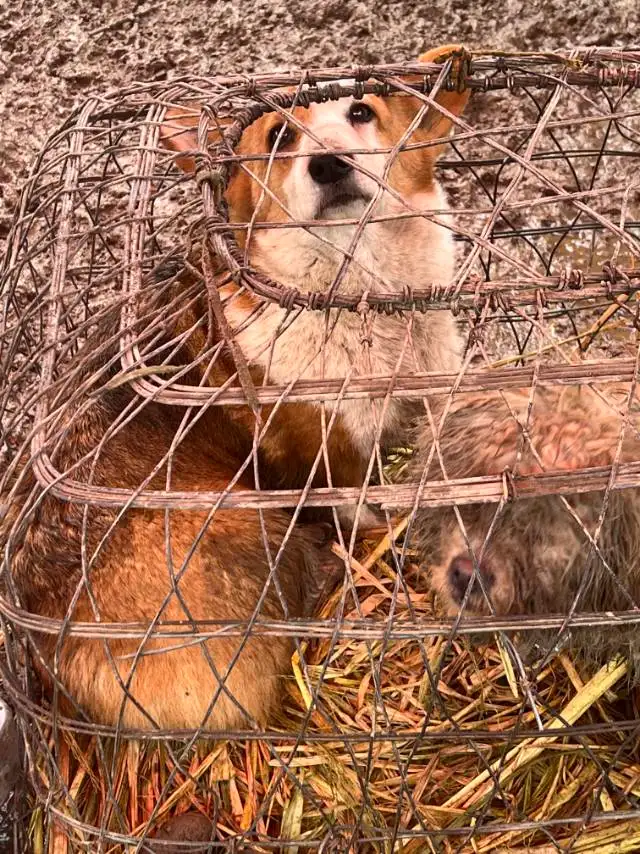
<point x="328" y="169"/>
<point x="460" y="575"/>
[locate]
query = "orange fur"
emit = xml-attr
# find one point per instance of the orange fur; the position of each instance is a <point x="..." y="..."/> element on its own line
<point x="221" y="562"/>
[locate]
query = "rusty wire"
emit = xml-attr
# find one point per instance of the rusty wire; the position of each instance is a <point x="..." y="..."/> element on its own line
<point x="545" y="209"/>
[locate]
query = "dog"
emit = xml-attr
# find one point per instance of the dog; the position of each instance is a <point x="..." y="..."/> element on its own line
<point x="149" y="567"/>
<point x="542" y="555"/>
<point x="317" y="185"/>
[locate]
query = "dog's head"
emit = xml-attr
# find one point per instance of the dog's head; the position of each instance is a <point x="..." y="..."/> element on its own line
<point x="521" y="555"/>
<point x="508" y="563"/>
<point x="342" y="157"/>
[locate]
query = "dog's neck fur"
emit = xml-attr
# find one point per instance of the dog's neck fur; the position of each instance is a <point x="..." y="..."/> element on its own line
<point x="314" y="344"/>
<point x="388" y="256"/>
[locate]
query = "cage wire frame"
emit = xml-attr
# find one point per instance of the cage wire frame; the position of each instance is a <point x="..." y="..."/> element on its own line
<point x="105" y="229"/>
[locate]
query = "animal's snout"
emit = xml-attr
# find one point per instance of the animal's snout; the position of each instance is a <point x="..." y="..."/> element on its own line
<point x="460" y="576"/>
<point x="328" y="169"/>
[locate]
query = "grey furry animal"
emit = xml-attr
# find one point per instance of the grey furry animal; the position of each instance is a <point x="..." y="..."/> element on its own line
<point x="543" y="555"/>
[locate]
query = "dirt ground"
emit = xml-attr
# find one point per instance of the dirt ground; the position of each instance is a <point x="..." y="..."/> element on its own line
<point x="55" y="52"/>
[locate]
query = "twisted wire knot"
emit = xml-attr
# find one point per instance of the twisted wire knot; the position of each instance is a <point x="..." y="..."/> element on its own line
<point x="364" y="311"/>
<point x="288" y="298"/>
<point x="509" y="491"/>
<point x="614" y="274"/>
<point x="571" y="278"/>
<point x="316" y="301"/>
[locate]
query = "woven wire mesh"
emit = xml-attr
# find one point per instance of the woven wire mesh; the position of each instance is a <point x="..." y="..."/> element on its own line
<point x="235" y="490"/>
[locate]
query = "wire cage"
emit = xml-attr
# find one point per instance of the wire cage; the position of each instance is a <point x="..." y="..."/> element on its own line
<point x="319" y="456"/>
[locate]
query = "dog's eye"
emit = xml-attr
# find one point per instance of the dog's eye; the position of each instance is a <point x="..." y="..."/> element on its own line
<point x="282" y="139"/>
<point x="360" y="113"/>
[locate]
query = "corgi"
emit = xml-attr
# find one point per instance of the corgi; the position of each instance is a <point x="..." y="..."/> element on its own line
<point x="318" y="186"/>
<point x="148" y="567"/>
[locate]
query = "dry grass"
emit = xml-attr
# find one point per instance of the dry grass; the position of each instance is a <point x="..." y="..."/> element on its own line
<point x="297" y="792"/>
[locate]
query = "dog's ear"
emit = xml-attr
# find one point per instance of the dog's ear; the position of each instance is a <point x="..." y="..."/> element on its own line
<point x="179" y="133"/>
<point x="437" y="124"/>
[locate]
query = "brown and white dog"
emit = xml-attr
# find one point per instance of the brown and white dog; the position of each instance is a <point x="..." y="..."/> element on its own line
<point x="317" y="185"/>
<point x="137" y="566"/>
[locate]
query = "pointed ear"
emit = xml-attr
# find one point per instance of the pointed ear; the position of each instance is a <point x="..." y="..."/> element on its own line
<point x="179" y="133"/>
<point x="435" y="123"/>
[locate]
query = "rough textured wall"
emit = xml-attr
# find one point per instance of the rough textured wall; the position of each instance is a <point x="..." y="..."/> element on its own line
<point x="54" y="52"/>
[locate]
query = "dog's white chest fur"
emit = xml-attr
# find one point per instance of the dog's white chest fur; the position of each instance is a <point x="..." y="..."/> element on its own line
<point x="329" y="344"/>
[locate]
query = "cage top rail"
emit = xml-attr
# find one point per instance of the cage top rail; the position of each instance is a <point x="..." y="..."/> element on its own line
<point x="587" y="66"/>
